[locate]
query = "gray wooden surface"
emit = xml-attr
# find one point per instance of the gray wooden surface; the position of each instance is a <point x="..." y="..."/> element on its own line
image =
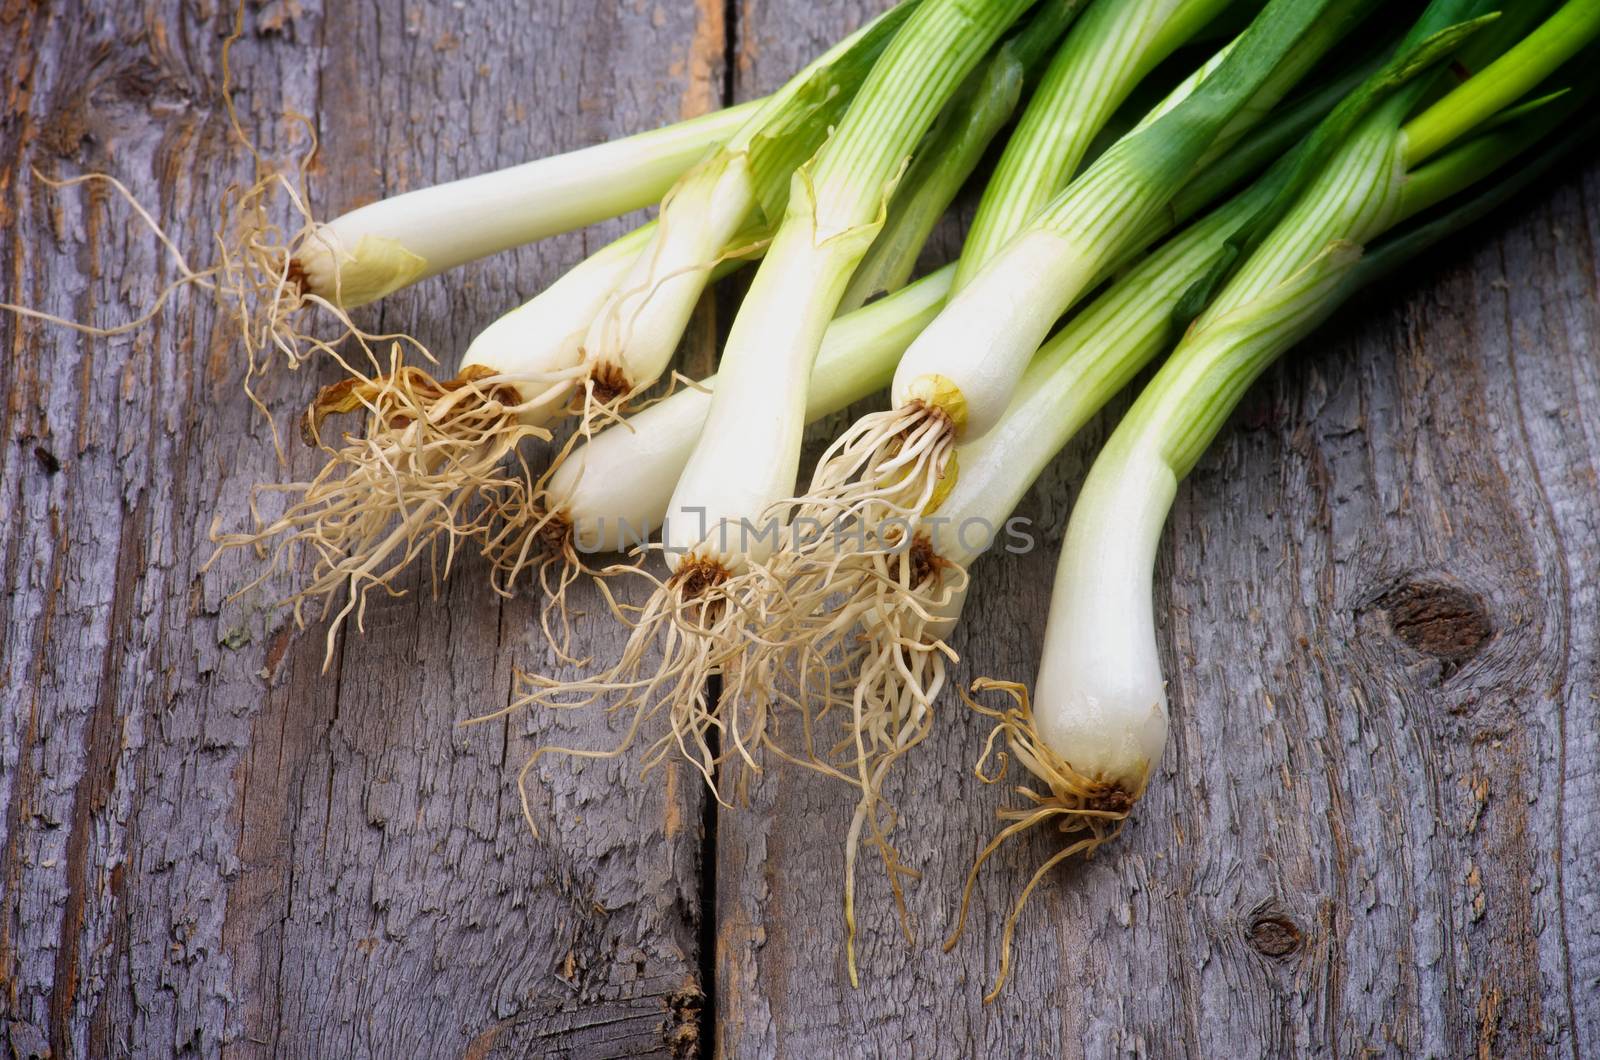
<point x="1377" y="829"/>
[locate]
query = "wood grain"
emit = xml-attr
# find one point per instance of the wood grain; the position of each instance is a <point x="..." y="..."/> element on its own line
<point x="1377" y="828"/>
<point x="209" y="845"/>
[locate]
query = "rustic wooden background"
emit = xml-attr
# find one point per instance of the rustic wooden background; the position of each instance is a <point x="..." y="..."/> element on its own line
<point x="1377" y="829"/>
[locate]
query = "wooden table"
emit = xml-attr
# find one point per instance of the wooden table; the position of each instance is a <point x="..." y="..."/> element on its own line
<point x="1377" y="829"/>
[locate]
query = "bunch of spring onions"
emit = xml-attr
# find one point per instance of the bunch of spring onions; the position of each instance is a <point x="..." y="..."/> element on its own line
<point x="908" y="593"/>
<point x="694" y="625"/>
<point x="1283" y="170"/>
<point x="1385" y="175"/>
<point x="716" y="607"/>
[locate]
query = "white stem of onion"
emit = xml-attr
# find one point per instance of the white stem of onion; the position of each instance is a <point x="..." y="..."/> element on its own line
<point x="376" y="249"/>
<point x="538" y="346"/>
<point x="747" y="458"/>
<point x="615" y="488"/>
<point x="1100" y="702"/>
<point x="632" y="338"/>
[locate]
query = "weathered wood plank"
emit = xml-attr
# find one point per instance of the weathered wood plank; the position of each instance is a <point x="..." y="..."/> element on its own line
<point x="1376" y="825"/>
<point x="209" y="844"/>
<point x="1376" y="828"/>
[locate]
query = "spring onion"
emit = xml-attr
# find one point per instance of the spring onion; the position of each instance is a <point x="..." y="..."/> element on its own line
<point x="374" y="250"/>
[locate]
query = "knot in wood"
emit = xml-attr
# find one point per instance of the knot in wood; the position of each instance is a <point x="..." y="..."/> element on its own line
<point x="682" y="1033"/>
<point x="1275" y="935"/>
<point x="1444" y="621"/>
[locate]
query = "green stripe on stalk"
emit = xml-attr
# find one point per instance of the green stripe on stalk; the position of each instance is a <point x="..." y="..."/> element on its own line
<point x="906" y="90"/>
<point x="786" y="133"/>
<point x="631" y="340"/>
<point x="1273" y="138"/>
<point x="1398" y="84"/>
<point x="1284" y="284"/>
<point x="1275" y="143"/>
<point x="1105" y="56"/>
<point x="953" y="149"/>
<point x="1458" y="213"/>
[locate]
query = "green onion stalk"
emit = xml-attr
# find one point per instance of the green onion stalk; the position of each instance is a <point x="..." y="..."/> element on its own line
<point x="377" y="249"/>
<point x="1381" y="180"/>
